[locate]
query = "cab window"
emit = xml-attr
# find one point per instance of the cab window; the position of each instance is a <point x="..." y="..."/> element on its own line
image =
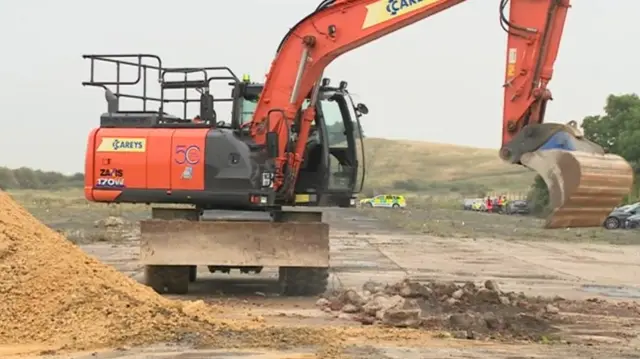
<point x="248" y="108"/>
<point x="335" y="124"/>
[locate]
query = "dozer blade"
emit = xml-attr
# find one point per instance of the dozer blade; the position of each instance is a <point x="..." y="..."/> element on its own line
<point x="234" y="243"/>
<point x="583" y="187"/>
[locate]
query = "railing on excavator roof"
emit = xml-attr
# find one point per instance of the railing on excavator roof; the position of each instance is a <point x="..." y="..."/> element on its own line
<point x="145" y="63"/>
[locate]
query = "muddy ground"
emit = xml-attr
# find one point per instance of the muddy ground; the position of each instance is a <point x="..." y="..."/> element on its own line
<point x="596" y="283"/>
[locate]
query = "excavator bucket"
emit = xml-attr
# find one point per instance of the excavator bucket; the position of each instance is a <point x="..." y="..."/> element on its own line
<point x="583" y="187"/>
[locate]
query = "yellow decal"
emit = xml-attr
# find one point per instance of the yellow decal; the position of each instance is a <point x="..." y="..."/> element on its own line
<point x="385" y="10"/>
<point x="303" y="198"/>
<point x="511" y="62"/>
<point x="513" y="56"/>
<point x="110" y="144"/>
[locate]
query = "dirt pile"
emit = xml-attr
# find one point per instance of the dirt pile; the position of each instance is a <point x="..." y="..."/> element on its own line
<point x="469" y="311"/>
<point x="51" y="292"/>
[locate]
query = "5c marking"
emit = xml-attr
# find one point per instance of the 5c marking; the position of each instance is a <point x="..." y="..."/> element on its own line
<point x="187" y="154"/>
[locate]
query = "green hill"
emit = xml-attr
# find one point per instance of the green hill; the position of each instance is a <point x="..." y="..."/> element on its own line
<point x="415" y="166"/>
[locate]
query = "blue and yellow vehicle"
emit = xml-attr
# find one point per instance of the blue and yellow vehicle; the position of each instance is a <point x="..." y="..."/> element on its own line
<point x="384" y="201"/>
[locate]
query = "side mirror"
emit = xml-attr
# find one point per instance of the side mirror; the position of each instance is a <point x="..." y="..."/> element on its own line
<point x="272" y="144"/>
<point x="362" y="108"/>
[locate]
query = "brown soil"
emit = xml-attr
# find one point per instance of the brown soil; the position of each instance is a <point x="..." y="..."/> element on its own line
<point x="51" y="292"/>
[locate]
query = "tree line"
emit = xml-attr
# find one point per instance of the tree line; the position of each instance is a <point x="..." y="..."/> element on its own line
<point x="28" y="178"/>
<point x="617" y="131"/>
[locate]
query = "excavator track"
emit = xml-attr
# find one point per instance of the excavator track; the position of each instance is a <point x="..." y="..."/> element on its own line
<point x="583" y="187"/>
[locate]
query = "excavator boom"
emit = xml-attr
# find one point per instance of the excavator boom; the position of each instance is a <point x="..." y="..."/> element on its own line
<point x="584" y="183"/>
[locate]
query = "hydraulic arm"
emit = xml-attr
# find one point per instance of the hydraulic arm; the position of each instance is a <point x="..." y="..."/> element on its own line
<point x="583" y="185"/>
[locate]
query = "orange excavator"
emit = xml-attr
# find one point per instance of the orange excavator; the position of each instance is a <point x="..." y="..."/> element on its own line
<point x="292" y="141"/>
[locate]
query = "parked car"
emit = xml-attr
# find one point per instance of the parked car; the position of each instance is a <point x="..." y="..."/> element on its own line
<point x="479" y="206"/>
<point x="518" y="206"/>
<point x="468" y="203"/>
<point x="618" y="217"/>
<point x="385" y="201"/>
<point x="633" y="222"/>
<point x="622" y="208"/>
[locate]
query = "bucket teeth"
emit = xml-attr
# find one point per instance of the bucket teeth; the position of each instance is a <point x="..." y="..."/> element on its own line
<point x="583" y="187"/>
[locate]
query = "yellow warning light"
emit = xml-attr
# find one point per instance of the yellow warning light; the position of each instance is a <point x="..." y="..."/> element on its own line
<point x="246" y="78"/>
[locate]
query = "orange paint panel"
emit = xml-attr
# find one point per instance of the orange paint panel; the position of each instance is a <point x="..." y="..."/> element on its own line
<point x="187" y="159"/>
<point x="89" y="179"/>
<point x="159" y="158"/>
<point x="120" y="158"/>
<point x="101" y="195"/>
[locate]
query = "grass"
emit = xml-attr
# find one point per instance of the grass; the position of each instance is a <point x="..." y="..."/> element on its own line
<point x="423" y="167"/>
<point x="68" y="212"/>
<point x="434" y="220"/>
<point x="435" y="177"/>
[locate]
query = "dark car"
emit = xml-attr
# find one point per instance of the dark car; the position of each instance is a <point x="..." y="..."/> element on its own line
<point x="618" y="217"/>
<point x="518" y="206"/>
<point x="632" y="222"/>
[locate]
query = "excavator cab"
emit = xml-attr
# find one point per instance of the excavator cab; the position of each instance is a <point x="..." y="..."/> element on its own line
<point x="333" y="167"/>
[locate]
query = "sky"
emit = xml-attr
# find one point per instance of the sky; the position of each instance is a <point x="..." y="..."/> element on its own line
<point x="437" y="80"/>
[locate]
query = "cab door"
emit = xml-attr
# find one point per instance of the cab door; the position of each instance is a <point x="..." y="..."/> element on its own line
<point x="343" y="162"/>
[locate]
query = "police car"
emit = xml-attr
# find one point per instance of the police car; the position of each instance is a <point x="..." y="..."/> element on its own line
<point x="384" y="201"/>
